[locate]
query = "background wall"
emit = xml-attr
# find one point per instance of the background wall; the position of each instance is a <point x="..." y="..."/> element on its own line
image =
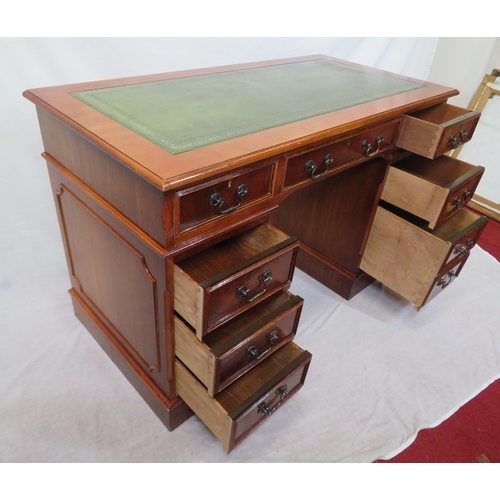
<point x="462" y="63"/>
<point x="25" y="196"/>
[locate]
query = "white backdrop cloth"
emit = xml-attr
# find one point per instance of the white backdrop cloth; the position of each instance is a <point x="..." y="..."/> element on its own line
<point x="380" y="371"/>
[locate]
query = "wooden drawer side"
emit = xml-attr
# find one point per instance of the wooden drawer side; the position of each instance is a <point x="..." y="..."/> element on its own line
<point x="208" y="410"/>
<point x="414" y="194"/>
<point x="194" y="354"/>
<point x="403" y="256"/>
<point x="188" y="298"/>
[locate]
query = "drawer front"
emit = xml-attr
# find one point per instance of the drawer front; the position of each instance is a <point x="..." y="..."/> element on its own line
<point x="273" y="399"/>
<point x="220" y="197"/>
<point x="465" y="237"/>
<point x="260" y="344"/>
<point x="446" y="278"/>
<point x="436" y="130"/>
<point x="306" y="166"/>
<point x="244" y="289"/>
<point x="460" y="196"/>
<point x="457" y="134"/>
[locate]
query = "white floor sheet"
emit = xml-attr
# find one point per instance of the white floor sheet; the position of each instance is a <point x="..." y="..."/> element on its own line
<point x="380" y="372"/>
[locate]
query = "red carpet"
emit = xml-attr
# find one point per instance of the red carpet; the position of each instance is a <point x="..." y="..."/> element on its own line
<point x="472" y="434"/>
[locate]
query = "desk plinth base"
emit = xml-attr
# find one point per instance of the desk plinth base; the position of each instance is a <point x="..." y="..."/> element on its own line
<point x="330" y="275"/>
<point x="171" y="412"/>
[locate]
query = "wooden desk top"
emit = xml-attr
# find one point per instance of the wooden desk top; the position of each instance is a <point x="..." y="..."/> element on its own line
<point x="332" y="96"/>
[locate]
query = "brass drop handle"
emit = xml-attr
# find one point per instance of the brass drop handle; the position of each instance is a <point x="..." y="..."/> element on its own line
<point x="444" y="282"/>
<point x="311" y="166"/>
<point x="367" y="146"/>
<point x="253" y="352"/>
<point x="243" y="291"/>
<point x="462" y="249"/>
<point x="216" y="200"/>
<point x="455" y="142"/>
<point x="458" y="200"/>
<point x="282" y="392"/>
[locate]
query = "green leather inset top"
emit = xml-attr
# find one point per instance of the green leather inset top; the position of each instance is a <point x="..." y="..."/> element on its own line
<point x="187" y="113"/>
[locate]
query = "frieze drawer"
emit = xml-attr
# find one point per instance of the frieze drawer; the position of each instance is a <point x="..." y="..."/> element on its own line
<point x="433" y="190"/>
<point x="245" y="404"/>
<point x="433" y="131"/>
<point x="219" y="197"/>
<point x="408" y="257"/>
<point x="217" y="284"/>
<point x="317" y="162"/>
<point x="237" y="346"/>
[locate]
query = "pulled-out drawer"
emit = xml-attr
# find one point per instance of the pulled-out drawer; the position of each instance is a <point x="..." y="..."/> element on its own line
<point x="245" y="404"/>
<point x="433" y="190"/>
<point x="237" y="346"/>
<point x="433" y="131"/>
<point x="313" y="163"/>
<point x="408" y="257"/>
<point x="219" y="283"/>
<point x="223" y="195"/>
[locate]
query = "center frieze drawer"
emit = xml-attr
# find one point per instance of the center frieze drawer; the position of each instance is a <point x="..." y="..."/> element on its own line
<point x="245" y="404"/>
<point x="433" y="190"/>
<point x="219" y="283"/>
<point x="308" y="164"/>
<point x="238" y="345"/>
<point x="405" y="255"/>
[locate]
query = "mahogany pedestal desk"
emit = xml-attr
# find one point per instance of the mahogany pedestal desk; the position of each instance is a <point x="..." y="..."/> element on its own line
<point x="186" y="199"/>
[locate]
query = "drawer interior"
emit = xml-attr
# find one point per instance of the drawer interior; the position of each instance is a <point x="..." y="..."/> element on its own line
<point x="461" y="224"/>
<point x="234" y="254"/>
<point x="444" y="171"/>
<point x="441" y="114"/>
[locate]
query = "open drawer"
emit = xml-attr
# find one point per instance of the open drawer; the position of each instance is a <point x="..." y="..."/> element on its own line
<point x="217" y="284"/>
<point x="433" y="190"/>
<point x="237" y="346"/>
<point x="405" y="255"/>
<point x="433" y="131"/>
<point x="245" y="404"/>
